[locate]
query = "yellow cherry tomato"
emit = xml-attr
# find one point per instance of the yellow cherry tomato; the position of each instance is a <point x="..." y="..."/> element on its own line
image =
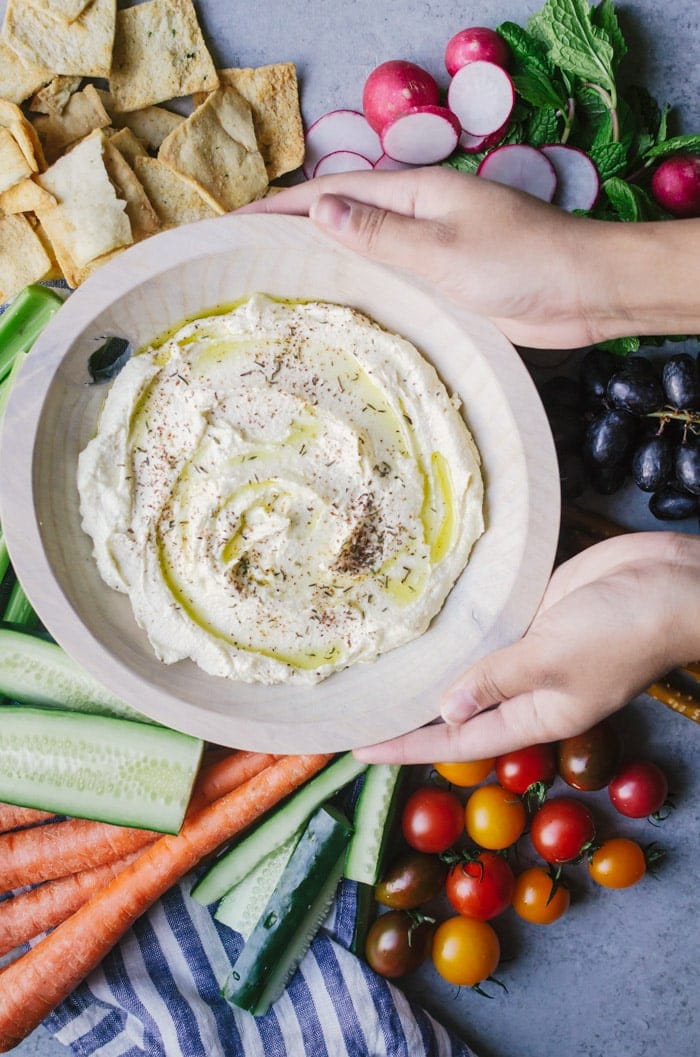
<point x="533" y="900"/>
<point x="618" y="863"/>
<point x="470" y="772"/>
<point x="465" y="951"/>
<point x="494" y="818"/>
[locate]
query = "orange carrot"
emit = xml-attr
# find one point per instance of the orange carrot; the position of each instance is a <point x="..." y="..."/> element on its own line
<point x="61" y="848"/>
<point x="12" y="817"/>
<point x="24" y="916"/>
<point x="34" y="984"/>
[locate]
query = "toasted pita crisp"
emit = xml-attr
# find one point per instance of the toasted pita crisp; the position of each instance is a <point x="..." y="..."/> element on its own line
<point x="54" y="271"/>
<point x="18" y="78"/>
<point x="175" y="200"/>
<point x="23" y="259"/>
<point x="83" y="113"/>
<point x="13" y="164"/>
<point x="216" y="149"/>
<point x="54" y="96"/>
<point x="89" y="220"/>
<point x="65" y="10"/>
<point x="152" y="124"/>
<point x="129" y="145"/>
<point x="142" y="216"/>
<point x="82" y="47"/>
<point x="12" y="118"/>
<point x="159" y="53"/>
<point x="273" y="94"/>
<point x="25" y="197"/>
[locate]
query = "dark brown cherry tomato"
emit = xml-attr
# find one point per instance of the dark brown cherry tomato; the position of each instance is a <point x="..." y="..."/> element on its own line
<point x="589" y="760"/>
<point x="481" y="888"/>
<point x="561" y="829"/>
<point x="396" y="945"/>
<point x="413" y="879"/>
<point x="518" y="771"/>
<point x="432" y="819"/>
<point x="638" y="789"/>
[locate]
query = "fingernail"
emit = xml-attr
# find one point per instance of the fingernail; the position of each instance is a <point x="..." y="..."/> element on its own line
<point x="331" y="212"/>
<point x="458" y="707"/>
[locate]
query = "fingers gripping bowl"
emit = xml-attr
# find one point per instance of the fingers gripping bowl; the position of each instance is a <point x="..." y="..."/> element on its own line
<point x="53" y="414"/>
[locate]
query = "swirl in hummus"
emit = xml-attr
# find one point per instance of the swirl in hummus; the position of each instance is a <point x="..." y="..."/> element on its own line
<point x="282" y="489"/>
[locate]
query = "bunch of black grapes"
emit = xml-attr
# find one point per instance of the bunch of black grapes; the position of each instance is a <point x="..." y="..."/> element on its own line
<point x="623" y="417"/>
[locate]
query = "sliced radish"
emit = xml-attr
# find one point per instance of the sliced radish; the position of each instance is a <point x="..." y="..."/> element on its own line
<point x="387" y="164"/>
<point x="342" y="161"/>
<point x="522" y="167"/>
<point x="578" y="183"/>
<point x="426" y="135"/>
<point x="472" y="144"/>
<point x="395" y="88"/>
<point x="482" y="96"/>
<point x="340" y="130"/>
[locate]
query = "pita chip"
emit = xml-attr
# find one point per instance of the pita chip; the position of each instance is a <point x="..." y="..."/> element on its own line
<point x="12" y="118"/>
<point x="23" y="259"/>
<point x="14" y="167"/>
<point x="83" y="113"/>
<point x="175" y="200"/>
<point x="82" y="47"/>
<point x="151" y="124"/>
<point x="273" y="95"/>
<point x="129" y="145"/>
<point x="159" y="53"/>
<point x="19" y="78"/>
<point x="65" y="10"/>
<point x="54" y="271"/>
<point x="54" y="96"/>
<point x="216" y="149"/>
<point x="142" y="216"/>
<point x="25" y="197"/>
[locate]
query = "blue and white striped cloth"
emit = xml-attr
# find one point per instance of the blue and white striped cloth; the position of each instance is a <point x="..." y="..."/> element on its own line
<point x="157" y="994"/>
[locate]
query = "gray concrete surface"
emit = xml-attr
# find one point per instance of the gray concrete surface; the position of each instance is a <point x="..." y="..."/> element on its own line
<point x="618" y="975"/>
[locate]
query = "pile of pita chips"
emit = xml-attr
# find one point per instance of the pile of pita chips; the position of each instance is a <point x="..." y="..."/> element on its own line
<point x="85" y="172"/>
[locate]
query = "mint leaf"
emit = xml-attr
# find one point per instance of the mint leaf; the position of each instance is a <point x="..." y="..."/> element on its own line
<point x="624" y="200"/>
<point x="528" y="51"/>
<point x="464" y="162"/>
<point x="605" y="19"/>
<point x="538" y="89"/>
<point x="688" y="144"/>
<point x="610" y="159"/>
<point x="621" y="346"/>
<point x="662" y="131"/>
<point x="542" y="127"/>
<point x="574" y="43"/>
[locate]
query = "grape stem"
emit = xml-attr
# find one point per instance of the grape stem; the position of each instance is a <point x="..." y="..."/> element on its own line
<point x="691" y="418"/>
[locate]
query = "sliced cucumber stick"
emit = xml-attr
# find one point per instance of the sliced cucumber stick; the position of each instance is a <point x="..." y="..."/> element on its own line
<point x="236" y="864"/>
<point x="243" y="907"/>
<point x="373" y="817"/>
<point x="114" y="770"/>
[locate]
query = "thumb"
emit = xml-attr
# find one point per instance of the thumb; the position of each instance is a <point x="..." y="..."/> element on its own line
<point x="388" y="237"/>
<point x="501" y="676"/>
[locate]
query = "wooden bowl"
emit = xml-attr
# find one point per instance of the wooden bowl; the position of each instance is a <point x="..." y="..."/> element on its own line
<point x="52" y="413"/>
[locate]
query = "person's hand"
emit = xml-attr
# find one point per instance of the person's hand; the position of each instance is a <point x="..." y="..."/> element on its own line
<point x="612" y="620"/>
<point x="546" y="278"/>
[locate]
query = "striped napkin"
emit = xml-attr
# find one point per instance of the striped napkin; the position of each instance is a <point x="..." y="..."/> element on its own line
<point x="157" y="994"/>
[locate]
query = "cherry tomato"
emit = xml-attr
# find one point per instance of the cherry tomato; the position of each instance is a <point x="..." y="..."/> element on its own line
<point x="396" y="945"/>
<point x="589" y="760"/>
<point x="481" y="888"/>
<point x="465" y="951"/>
<point x="618" y="863"/>
<point x="415" y="878"/>
<point x="533" y="900"/>
<point x="638" y="789"/>
<point x="432" y="819"/>
<point x="494" y="817"/>
<point x="561" y="828"/>
<point x="517" y="771"/>
<point x="464" y="774"/>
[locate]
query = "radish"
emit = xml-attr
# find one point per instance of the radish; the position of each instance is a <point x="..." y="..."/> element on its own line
<point x="474" y="44"/>
<point x="342" y="161"/>
<point x="426" y="135"/>
<point x="387" y="164"/>
<point x="522" y="167"/>
<point x="676" y="185"/>
<point x="577" y="177"/>
<point x="340" y="130"/>
<point x="472" y="144"/>
<point x="395" y="88"/>
<point x="482" y="96"/>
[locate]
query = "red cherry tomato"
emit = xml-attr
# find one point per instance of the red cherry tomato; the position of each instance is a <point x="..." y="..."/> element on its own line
<point x="517" y="771"/>
<point x="638" y="789"/>
<point x="432" y="819"/>
<point x="560" y="829"/>
<point x="482" y="888"/>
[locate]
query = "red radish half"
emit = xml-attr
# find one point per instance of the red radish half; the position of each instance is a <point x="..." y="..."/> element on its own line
<point x="475" y="44"/>
<point x="387" y="164"/>
<point x="426" y="135"/>
<point x="342" y="161"/>
<point x="522" y="167"/>
<point x="340" y="130"/>
<point x="577" y="177"/>
<point x="394" y="88"/>
<point x="482" y="96"/>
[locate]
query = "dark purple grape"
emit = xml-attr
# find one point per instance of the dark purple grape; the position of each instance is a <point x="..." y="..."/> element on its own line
<point x="672" y="503"/>
<point x="688" y="467"/>
<point x="680" y="381"/>
<point x="652" y="463"/>
<point x="635" y="391"/>
<point x="572" y="475"/>
<point x="610" y="438"/>
<point x="567" y="428"/>
<point x="607" y="479"/>
<point x="562" y="391"/>
<point x="640" y="365"/>
<point x="597" y="368"/>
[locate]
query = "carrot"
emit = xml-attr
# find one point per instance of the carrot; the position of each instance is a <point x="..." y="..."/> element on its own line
<point x="26" y="915"/>
<point x="34" y="984"/>
<point x="12" y="816"/>
<point x="60" y="848"/>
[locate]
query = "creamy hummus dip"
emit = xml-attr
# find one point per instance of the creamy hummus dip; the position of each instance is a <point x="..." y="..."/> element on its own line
<point x="282" y="489"/>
